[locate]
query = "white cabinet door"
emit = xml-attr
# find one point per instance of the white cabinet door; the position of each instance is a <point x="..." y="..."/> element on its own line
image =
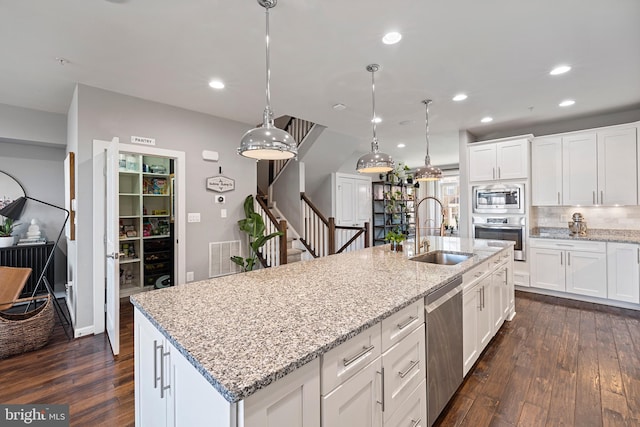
<point x="495" y="300"/>
<point x="470" y="341"/>
<point x="355" y="402"/>
<point x="579" y="167"/>
<point x="547" y="269"/>
<point x="485" y="318"/>
<point x="623" y="272"/>
<point x="152" y="373"/>
<point x="512" y="159"/>
<point x="586" y="273"/>
<point x="292" y="401"/>
<point x="617" y="171"/>
<point x="482" y="162"/>
<point x="546" y="172"/>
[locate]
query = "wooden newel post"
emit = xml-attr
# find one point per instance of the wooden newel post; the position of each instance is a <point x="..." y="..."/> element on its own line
<point x="332" y="236"/>
<point x="283" y="242"/>
<point x="366" y="235"/>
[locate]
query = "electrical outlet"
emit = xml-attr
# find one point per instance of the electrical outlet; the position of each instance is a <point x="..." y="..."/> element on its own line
<point x="193" y="217"/>
<point x="189" y="276"/>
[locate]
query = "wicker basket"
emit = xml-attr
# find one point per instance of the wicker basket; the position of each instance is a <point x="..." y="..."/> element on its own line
<point x="24" y="332"/>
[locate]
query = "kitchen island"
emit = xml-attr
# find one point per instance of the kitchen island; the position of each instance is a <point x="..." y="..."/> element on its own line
<point x="228" y="339"/>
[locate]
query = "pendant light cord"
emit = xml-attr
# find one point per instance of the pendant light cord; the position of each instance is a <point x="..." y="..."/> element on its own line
<point x="373" y="68"/>
<point x="268" y="115"/>
<point x="426" y="125"/>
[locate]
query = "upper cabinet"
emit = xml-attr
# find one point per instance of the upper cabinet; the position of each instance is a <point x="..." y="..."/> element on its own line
<point x="588" y="168"/>
<point x="500" y="160"/>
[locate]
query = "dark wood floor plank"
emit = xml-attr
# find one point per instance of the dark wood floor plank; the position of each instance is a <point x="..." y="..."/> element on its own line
<point x="588" y="405"/>
<point x="629" y="365"/>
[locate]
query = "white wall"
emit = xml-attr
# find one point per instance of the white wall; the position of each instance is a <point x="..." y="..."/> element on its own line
<point x="23" y="124"/>
<point x="40" y="170"/>
<point x="103" y="115"/>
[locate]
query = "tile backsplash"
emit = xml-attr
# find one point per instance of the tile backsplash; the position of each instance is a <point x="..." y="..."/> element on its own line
<point x="609" y="217"/>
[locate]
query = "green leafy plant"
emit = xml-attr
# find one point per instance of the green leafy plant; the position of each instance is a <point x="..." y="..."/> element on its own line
<point x="395" y="236"/>
<point x="253" y="225"/>
<point x="6" y="228"/>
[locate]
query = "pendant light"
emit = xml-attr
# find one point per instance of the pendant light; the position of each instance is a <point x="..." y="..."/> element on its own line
<point x="428" y="172"/>
<point x="267" y="142"/>
<point x="374" y="162"/>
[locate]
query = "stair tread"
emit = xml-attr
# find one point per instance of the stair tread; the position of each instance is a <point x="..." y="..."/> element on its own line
<point x="294" y="251"/>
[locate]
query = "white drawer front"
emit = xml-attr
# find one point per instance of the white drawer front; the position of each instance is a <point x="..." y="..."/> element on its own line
<point x="401" y="324"/>
<point x="404" y="368"/>
<point x="413" y="412"/>
<point x="471" y="277"/>
<point x="569" y="245"/>
<point x="344" y="361"/>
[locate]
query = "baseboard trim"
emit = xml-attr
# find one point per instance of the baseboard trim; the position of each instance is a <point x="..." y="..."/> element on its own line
<point x="81" y="332"/>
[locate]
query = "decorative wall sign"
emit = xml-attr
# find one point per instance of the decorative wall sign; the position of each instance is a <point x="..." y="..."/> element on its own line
<point x="143" y="140"/>
<point x="221" y="184"/>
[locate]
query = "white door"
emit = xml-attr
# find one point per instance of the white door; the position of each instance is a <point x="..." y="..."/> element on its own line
<point x="482" y="163"/>
<point x="345" y="202"/>
<point x="511" y="159"/>
<point x="546" y="172"/>
<point x="579" y="169"/>
<point x="617" y="174"/>
<point x="112" y="265"/>
<point x="363" y="202"/>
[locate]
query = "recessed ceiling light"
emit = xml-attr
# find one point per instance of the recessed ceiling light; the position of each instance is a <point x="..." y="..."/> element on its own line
<point x="401" y="145"/>
<point x="339" y="107"/>
<point x="487" y="119"/>
<point x="560" y="69"/>
<point x="216" y="84"/>
<point x="376" y="120"/>
<point x="460" y="97"/>
<point x="567" y="103"/>
<point x="392" y="37"/>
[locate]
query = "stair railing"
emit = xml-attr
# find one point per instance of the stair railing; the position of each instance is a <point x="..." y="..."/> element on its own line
<point x="274" y="252"/>
<point x="320" y="235"/>
<point x="298" y="129"/>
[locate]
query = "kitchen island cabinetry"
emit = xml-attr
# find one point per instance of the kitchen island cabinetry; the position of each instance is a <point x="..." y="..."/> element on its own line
<point x="569" y="266"/>
<point x="357" y="356"/>
<point x="623" y="272"/>
<point x="500" y="160"/>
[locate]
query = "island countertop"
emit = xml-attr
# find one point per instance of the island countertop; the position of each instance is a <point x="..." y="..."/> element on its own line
<point x="244" y="331"/>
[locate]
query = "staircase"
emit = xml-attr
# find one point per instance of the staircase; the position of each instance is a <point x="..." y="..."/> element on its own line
<point x="293" y="254"/>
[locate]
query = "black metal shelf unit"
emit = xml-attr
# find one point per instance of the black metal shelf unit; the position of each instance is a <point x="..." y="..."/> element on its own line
<point x="393" y="209"/>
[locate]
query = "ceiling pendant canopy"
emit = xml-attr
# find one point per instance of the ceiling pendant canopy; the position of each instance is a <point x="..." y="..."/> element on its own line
<point x="268" y="142"/>
<point x="428" y="172"/>
<point x="374" y="162"/>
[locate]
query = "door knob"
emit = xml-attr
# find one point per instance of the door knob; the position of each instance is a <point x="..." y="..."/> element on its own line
<point x="114" y="255"/>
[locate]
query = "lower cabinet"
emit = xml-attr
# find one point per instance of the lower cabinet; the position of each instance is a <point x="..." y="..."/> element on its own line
<point x="413" y="411"/>
<point x="487" y="301"/>
<point x="568" y="266"/>
<point x="623" y="272"/>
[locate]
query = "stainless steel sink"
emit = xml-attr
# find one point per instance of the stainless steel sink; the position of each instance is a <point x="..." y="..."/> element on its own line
<point x="442" y="257"/>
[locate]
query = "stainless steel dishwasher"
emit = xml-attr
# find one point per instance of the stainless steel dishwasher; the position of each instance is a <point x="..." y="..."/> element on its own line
<point x="444" y="346"/>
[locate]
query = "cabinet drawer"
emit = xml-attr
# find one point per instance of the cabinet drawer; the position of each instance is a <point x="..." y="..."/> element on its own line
<point x="569" y="245"/>
<point x="471" y="277"/>
<point x="344" y="361"/>
<point x="404" y="369"/>
<point x="413" y="412"/>
<point x="401" y="324"/>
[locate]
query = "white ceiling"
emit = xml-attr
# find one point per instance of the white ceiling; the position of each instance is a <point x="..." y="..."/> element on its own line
<point x="499" y="52"/>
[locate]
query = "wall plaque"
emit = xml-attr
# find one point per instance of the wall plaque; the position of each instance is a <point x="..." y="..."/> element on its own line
<point x="221" y="184"/>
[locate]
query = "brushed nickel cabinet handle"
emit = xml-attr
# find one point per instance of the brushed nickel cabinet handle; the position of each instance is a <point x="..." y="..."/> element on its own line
<point x="362" y="352"/>
<point x="155" y="363"/>
<point x="568" y="258"/>
<point x="638" y="255"/>
<point x="412" y="365"/>
<point x="164" y="387"/>
<point x="499" y="173"/>
<point x="560" y="258"/>
<point x="407" y="322"/>
<point x="381" y="372"/>
<point x="558" y="198"/>
<point x="594" y="197"/>
<point x="601" y="197"/>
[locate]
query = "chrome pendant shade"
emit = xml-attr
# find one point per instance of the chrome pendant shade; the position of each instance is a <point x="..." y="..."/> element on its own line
<point x="374" y="162"/>
<point x="427" y="172"/>
<point x="268" y="142"/>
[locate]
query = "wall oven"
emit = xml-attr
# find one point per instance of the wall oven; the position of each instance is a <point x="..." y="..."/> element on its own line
<point x="511" y="228"/>
<point x="499" y="199"/>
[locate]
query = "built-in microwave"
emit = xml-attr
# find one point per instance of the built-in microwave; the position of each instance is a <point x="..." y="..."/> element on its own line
<point x="499" y="198"/>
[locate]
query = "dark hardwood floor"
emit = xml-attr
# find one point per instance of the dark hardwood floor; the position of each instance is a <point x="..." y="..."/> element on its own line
<point x="559" y="362"/>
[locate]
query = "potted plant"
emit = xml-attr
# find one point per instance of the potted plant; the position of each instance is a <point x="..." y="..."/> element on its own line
<point x="395" y="237"/>
<point x="6" y="228"/>
<point x="253" y="225"/>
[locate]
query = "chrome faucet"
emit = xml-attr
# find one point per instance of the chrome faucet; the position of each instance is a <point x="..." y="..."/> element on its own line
<point x="443" y="212"/>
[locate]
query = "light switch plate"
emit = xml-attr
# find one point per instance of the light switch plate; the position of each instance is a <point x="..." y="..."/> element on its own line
<point x="193" y="217"/>
<point x="223" y="213"/>
<point x="189" y="276"/>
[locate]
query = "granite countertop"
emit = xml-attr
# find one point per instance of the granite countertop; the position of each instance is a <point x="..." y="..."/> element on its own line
<point x="596" y="234"/>
<point x="244" y="331"/>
